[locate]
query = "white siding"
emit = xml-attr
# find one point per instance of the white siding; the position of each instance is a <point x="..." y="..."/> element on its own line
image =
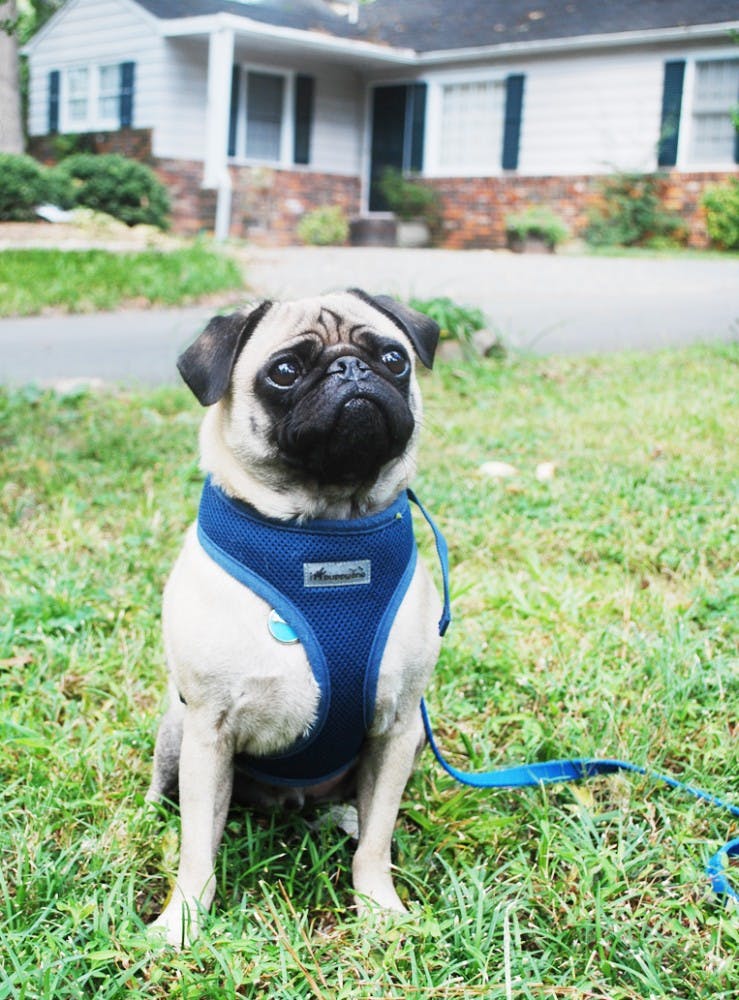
<point x="337" y="123"/>
<point x="180" y="79"/>
<point x="94" y="32"/>
<point x="592" y="114"/>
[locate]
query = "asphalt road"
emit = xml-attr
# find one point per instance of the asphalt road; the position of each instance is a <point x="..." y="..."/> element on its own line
<point x="543" y="304"/>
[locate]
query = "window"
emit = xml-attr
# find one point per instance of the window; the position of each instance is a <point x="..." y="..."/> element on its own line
<point x="91" y="97"/>
<point x="715" y="94"/>
<point x="78" y="87"/>
<point x="109" y="92"/>
<point x="265" y="98"/>
<point x="471" y="125"/>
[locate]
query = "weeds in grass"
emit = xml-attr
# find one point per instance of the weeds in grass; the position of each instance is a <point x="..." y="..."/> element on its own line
<point x="595" y="614"/>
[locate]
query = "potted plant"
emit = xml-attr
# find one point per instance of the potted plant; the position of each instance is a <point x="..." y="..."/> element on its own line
<point x="535" y="230"/>
<point x="415" y="205"/>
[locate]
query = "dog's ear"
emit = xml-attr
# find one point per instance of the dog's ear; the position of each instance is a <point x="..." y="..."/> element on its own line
<point x="422" y="331"/>
<point x="207" y="363"/>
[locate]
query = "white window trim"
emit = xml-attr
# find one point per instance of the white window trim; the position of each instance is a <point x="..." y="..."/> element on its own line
<point x="433" y="136"/>
<point x="684" y="138"/>
<point x="287" y="129"/>
<point x="93" y="122"/>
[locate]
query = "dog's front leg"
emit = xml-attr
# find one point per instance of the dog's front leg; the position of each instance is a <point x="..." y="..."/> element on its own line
<point x="206" y="777"/>
<point x="384" y="771"/>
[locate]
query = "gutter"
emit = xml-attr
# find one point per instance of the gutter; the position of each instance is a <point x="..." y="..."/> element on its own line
<point x="696" y="32"/>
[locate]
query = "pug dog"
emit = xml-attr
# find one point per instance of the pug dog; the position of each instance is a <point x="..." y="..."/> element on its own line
<point x="308" y="444"/>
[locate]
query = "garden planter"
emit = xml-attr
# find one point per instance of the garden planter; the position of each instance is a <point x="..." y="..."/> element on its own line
<point x="529" y="244"/>
<point x="413" y="233"/>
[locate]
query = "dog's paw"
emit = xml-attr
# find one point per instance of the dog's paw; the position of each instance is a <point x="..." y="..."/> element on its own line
<point x="178" y="925"/>
<point x="373" y="895"/>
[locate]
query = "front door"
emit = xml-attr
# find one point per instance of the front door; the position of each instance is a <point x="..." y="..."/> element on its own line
<point x="398" y="113"/>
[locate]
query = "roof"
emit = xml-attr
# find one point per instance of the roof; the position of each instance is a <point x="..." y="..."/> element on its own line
<point x="443" y="25"/>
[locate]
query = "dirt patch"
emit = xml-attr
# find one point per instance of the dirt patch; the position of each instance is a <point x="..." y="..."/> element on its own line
<point x="113" y="236"/>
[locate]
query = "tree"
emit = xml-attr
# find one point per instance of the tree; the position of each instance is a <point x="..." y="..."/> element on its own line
<point x="11" y="125"/>
<point x="19" y="19"/>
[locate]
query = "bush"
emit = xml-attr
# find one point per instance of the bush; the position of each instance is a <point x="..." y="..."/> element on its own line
<point x="24" y="184"/>
<point x="721" y="205"/>
<point x="409" y="199"/>
<point x="631" y="214"/>
<point x="456" y="322"/>
<point x="123" y="188"/>
<point x="325" y="226"/>
<point x="537" y="221"/>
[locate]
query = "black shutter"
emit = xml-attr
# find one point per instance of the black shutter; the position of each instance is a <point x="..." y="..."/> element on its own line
<point x="54" y="101"/>
<point x="512" y="121"/>
<point x="416" y="113"/>
<point x="672" y="99"/>
<point x="304" y="90"/>
<point x="234" y="112"/>
<point x="125" y="101"/>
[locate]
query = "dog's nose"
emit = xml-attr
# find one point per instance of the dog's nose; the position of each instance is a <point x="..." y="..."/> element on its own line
<point x="349" y="367"/>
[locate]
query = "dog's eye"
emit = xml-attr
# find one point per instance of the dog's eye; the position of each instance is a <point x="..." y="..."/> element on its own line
<point x="284" y="373"/>
<point x="395" y="361"/>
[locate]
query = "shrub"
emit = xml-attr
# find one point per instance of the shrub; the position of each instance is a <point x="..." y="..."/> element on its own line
<point x="408" y="199"/>
<point x="123" y="188"/>
<point x="721" y="205"/>
<point x="324" y="226"/>
<point x="23" y="186"/>
<point x="631" y="214"/>
<point x="456" y="322"/>
<point x="538" y="221"/>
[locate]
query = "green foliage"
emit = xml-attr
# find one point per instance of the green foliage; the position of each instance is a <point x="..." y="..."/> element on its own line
<point x="24" y="184"/>
<point x="88" y="280"/>
<point x="324" y="226"/>
<point x="594" y="616"/>
<point x="408" y="199"/>
<point x="721" y="205"/>
<point x="538" y="221"/>
<point x="630" y="213"/>
<point x="124" y="188"/>
<point x="456" y="322"/>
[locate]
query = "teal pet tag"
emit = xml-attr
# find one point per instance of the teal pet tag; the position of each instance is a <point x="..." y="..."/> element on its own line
<point x="280" y="630"/>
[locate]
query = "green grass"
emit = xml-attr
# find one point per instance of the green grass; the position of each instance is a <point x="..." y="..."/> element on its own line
<point x="594" y="615"/>
<point x="78" y="281"/>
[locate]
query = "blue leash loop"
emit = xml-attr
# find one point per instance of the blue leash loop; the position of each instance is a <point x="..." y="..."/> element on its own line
<point x="557" y="771"/>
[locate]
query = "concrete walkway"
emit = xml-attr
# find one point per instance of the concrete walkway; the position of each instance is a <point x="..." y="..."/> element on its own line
<point x="543" y="304"/>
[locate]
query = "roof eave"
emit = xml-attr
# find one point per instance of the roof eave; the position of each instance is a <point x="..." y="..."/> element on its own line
<point x="315" y="40"/>
<point x="696" y="32"/>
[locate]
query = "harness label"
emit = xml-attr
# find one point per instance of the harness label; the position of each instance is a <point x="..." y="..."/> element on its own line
<point x="337" y="574"/>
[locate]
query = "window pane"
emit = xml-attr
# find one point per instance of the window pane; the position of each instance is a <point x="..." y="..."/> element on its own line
<point x="471" y="124"/>
<point x="264" y="99"/>
<point x="109" y="85"/>
<point x="716" y="93"/>
<point x="77" y="82"/>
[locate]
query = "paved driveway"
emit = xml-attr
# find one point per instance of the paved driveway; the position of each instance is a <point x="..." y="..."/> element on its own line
<point x="544" y="304"/>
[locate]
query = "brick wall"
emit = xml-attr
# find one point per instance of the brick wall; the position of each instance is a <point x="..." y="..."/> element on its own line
<point x="267" y="204"/>
<point x="474" y="208"/>
<point x="132" y="142"/>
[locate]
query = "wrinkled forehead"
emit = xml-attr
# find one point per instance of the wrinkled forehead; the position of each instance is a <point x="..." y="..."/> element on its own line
<point x="334" y="319"/>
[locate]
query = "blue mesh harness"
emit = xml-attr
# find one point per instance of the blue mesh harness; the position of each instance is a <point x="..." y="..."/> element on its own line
<point x="338" y="585"/>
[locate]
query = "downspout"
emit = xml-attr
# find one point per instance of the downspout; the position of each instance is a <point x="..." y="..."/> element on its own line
<point x="215" y="168"/>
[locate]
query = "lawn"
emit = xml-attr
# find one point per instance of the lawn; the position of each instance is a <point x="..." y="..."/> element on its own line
<point x="35" y="280"/>
<point x="595" y="615"/>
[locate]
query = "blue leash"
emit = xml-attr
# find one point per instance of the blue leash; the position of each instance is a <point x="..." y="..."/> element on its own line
<point x="556" y="771"/>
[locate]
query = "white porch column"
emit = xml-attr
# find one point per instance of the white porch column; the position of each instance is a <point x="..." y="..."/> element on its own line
<point x="220" y="63"/>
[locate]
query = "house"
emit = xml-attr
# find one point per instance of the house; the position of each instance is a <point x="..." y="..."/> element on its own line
<point x="256" y="111"/>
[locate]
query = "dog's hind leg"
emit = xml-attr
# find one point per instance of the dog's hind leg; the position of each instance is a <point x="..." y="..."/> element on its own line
<point x="167" y="750"/>
<point x="384" y="769"/>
